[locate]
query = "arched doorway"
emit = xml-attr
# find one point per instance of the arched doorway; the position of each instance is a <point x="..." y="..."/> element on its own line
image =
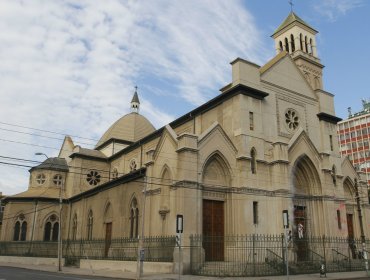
<point x="108" y="219"/>
<point x="349" y="195"/>
<point x="307" y="211"/>
<point x="216" y="177"/>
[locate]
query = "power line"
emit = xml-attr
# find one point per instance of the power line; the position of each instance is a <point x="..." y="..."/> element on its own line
<point x="48" y="131"/>
<point x="43" y="136"/>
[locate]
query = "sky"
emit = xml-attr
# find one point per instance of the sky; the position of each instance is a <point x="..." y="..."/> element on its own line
<point x="70" y="67"/>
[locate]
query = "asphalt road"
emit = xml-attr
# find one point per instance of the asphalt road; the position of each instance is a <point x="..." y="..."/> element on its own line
<point x="15" y="273"/>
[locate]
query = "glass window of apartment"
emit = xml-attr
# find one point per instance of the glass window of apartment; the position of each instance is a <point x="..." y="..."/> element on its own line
<point x="366" y="143"/>
<point x="347" y="136"/>
<point x="350" y="157"/>
<point x="358" y="132"/>
<point x="354" y="145"/>
<point x="364" y="131"/>
<point x="355" y="156"/>
<point x="353" y="134"/>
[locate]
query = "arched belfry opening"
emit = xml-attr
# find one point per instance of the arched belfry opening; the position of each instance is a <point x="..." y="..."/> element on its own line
<point x="307" y="207"/>
<point x="216" y="178"/>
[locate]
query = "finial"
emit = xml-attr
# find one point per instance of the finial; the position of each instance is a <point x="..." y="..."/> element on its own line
<point x="291" y="5"/>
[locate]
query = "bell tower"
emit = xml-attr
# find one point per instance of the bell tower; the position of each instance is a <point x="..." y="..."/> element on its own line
<point x="299" y="39"/>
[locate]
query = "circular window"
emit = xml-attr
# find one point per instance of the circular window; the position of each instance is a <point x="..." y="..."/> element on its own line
<point x="57" y="180"/>
<point x="93" y="177"/>
<point x="40" y="179"/>
<point x="133" y="165"/>
<point x="291" y="119"/>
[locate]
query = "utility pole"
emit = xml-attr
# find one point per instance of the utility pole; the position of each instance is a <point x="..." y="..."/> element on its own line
<point x="140" y="257"/>
<point x="60" y="247"/>
<point x="363" y="240"/>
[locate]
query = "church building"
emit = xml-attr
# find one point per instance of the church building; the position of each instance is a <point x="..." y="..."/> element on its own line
<point x="266" y="143"/>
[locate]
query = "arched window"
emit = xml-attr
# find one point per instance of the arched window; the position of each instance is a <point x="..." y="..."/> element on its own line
<point x="281" y="46"/>
<point x="74" y="227"/>
<point x="306" y="44"/>
<point x="311" y="47"/>
<point x="301" y="41"/>
<point x="286" y="45"/>
<point x="253" y="161"/>
<point x="20" y="229"/>
<point x="23" y="231"/>
<point x="51" y="229"/>
<point x="17" y="229"/>
<point x="292" y="42"/>
<point x="134" y="219"/>
<point x="90" y="222"/>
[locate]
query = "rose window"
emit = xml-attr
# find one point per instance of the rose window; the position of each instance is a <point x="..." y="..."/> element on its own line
<point x="40" y="179"/>
<point x="291" y="119"/>
<point x="57" y="180"/>
<point x="93" y="177"/>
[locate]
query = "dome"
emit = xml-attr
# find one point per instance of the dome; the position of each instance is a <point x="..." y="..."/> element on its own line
<point x="131" y="127"/>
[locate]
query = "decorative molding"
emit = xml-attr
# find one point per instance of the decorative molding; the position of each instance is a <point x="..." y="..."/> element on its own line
<point x="328" y="118"/>
<point x="153" y="192"/>
<point x="163" y="212"/>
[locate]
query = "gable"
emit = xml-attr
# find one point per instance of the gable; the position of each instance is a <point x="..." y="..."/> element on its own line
<point x="284" y="73"/>
<point x="301" y="144"/>
<point x="168" y="140"/>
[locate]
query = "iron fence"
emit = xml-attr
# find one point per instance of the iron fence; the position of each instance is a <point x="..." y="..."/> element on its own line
<point x="263" y="255"/>
<point x="156" y="249"/>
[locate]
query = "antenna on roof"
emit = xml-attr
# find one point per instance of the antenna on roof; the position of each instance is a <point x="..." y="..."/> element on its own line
<point x="291" y="5"/>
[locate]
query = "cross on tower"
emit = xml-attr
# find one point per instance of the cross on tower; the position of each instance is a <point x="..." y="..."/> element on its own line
<point x="291" y="5"/>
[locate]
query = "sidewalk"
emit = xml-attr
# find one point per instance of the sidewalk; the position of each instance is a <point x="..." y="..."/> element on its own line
<point x="130" y="275"/>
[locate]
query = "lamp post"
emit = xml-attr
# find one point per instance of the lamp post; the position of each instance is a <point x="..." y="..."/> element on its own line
<point x="41" y="154"/>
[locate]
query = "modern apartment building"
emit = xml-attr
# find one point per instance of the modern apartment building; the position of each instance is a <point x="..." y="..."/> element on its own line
<point x="354" y="138"/>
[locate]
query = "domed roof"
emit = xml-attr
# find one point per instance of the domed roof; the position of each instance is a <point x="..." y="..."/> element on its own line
<point x="131" y="127"/>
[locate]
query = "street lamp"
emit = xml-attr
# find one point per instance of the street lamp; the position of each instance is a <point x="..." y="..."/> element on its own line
<point x="41" y="154"/>
<point x="60" y="252"/>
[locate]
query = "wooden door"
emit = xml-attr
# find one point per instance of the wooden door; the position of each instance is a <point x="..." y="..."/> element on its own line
<point x="108" y="238"/>
<point x="300" y="232"/>
<point x="351" y="235"/>
<point x="213" y="230"/>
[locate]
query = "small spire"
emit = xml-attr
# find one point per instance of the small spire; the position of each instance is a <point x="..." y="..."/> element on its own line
<point x="135" y="103"/>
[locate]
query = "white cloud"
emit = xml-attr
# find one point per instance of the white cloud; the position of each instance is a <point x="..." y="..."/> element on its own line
<point x="332" y="9"/>
<point x="71" y="66"/>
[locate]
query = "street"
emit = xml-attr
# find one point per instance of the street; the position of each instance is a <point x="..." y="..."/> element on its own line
<point x="15" y="273"/>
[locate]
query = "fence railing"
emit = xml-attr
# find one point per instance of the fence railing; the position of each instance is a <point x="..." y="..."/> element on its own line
<point x="156" y="249"/>
<point x="262" y="255"/>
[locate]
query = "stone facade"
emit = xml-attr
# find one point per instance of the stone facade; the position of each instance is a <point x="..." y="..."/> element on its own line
<point x="266" y="143"/>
